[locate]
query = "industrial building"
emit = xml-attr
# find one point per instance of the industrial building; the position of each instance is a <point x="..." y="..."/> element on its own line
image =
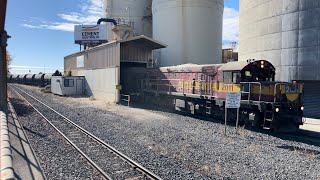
<point x="229" y="55"/>
<point x="286" y="33"/>
<point x="102" y="65"/>
<point x="148" y="34"/>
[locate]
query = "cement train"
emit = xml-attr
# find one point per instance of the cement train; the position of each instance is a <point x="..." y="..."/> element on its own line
<point x="33" y="79"/>
<point x="202" y="89"/>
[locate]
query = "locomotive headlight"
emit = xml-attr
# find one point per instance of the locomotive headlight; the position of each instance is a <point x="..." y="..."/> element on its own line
<point x="277" y="109"/>
<point x="302" y="108"/>
<point x="262" y="66"/>
<point x="262" y="62"/>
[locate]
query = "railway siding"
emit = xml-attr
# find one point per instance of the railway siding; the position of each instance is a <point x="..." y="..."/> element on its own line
<point x="179" y="147"/>
<point x="111" y="163"/>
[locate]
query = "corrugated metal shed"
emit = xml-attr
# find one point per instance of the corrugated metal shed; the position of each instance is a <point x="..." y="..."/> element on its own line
<point x="137" y="49"/>
<point x="101" y="65"/>
<point x="99" y="57"/>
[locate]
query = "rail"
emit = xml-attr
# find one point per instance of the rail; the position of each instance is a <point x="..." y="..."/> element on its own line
<point x="126" y="98"/>
<point x="78" y="130"/>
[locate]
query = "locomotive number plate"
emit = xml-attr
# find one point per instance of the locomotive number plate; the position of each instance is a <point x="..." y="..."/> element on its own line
<point x="292" y="89"/>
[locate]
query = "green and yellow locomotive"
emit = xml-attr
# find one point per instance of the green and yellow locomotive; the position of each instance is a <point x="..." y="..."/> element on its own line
<point x="202" y="89"/>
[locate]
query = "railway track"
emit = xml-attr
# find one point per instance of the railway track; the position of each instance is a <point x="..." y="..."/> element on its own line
<point x="111" y="163"/>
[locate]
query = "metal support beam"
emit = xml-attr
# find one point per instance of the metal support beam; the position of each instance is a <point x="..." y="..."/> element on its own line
<point x="3" y="52"/>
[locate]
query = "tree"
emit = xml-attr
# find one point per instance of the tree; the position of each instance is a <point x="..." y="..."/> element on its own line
<point x="8" y="59"/>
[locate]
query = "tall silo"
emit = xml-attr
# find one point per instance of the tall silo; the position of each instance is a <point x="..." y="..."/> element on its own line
<point x="136" y="13"/>
<point x="192" y="29"/>
<point x="287" y="33"/>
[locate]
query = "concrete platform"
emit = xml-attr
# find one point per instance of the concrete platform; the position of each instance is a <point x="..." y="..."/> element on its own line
<point x="311" y="127"/>
<point x="25" y="163"/>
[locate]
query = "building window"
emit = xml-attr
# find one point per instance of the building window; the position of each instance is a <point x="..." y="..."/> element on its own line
<point x="68" y="83"/>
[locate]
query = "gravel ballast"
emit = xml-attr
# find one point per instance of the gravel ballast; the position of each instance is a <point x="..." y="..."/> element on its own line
<point x="180" y="147"/>
<point x="58" y="159"/>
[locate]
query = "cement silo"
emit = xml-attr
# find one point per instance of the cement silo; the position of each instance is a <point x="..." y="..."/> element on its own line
<point x="136" y="13"/>
<point x="287" y="33"/>
<point x="192" y="29"/>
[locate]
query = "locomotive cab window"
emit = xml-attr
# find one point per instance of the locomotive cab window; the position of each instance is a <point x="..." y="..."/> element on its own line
<point x="231" y="77"/>
<point x="68" y="83"/>
<point x="236" y="77"/>
<point x="227" y="77"/>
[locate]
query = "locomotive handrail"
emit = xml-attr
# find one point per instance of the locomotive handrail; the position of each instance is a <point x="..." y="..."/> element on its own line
<point x="249" y="93"/>
<point x="157" y="83"/>
<point x="275" y="90"/>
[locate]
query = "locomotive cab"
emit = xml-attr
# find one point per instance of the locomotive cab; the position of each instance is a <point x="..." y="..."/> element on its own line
<point x="258" y="71"/>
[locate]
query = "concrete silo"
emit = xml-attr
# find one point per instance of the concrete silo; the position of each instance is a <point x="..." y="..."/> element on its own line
<point x="287" y="33"/>
<point x="136" y="13"/>
<point x="192" y="29"/>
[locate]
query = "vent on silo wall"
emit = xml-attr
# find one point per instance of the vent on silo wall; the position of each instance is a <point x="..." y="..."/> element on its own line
<point x="192" y="29"/>
<point x="285" y="32"/>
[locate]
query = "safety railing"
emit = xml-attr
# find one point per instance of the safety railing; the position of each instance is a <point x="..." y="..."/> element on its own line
<point x="275" y="90"/>
<point x="126" y="98"/>
<point x="203" y="87"/>
<point x="249" y="89"/>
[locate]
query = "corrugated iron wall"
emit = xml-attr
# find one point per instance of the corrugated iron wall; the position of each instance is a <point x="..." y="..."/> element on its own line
<point x="103" y="57"/>
<point x="312" y="99"/>
<point x="135" y="53"/>
<point x="100" y="57"/>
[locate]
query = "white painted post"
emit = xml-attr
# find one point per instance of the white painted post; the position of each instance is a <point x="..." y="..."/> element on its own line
<point x="225" y="120"/>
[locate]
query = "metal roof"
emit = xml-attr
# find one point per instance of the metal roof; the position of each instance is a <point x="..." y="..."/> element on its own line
<point x="233" y="66"/>
<point x="144" y="40"/>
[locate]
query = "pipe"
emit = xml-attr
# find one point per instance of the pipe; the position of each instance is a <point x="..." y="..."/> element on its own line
<point x="107" y="20"/>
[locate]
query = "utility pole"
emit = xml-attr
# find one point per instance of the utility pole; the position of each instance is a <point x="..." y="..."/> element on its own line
<point x="3" y="63"/>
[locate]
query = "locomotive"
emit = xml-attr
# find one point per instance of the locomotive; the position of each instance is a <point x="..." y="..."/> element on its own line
<point x="202" y="89"/>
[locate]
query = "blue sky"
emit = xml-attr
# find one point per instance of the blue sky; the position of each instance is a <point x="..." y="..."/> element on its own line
<point x="42" y="30"/>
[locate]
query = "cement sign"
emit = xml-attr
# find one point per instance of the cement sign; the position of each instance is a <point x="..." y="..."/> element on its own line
<point x="233" y="100"/>
<point x="90" y="34"/>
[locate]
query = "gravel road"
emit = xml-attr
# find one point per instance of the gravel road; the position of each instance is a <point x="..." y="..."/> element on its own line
<point x="180" y="147"/>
